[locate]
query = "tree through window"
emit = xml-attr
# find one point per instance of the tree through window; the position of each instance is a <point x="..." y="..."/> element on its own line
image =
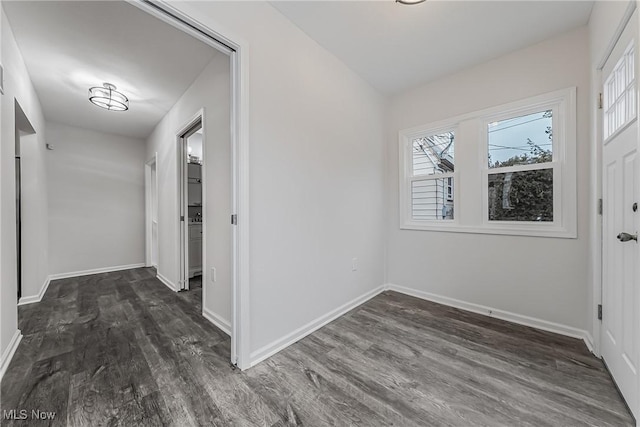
<point x="518" y="189"/>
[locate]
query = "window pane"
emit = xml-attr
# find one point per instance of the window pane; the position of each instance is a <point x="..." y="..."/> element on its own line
<point x="432" y="199"/>
<point x="619" y="94"/>
<point x="521" y="196"/>
<point x="521" y="140"/>
<point x="433" y="154"/>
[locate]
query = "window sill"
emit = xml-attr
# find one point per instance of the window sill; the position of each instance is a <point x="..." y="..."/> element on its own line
<point x="532" y="230"/>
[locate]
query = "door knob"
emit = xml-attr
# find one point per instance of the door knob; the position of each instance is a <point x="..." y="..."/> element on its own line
<point x="625" y="237"/>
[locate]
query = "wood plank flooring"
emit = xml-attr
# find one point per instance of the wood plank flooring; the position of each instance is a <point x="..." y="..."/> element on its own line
<point x="122" y="349"/>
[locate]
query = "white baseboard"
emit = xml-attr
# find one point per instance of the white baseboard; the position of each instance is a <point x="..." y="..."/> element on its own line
<point x="588" y="340"/>
<point x="168" y="283"/>
<point x="222" y="324"/>
<point x="520" y="319"/>
<point x="36" y="298"/>
<point x="281" y="343"/>
<point x="94" y="271"/>
<point x="8" y="353"/>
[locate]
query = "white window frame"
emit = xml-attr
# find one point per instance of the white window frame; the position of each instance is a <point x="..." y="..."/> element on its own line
<point x="471" y="206"/>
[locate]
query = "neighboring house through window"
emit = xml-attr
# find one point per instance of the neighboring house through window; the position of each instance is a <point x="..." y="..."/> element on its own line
<point x="432" y="171"/>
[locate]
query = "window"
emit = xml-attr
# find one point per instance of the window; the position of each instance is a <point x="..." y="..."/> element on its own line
<point x="619" y="94"/>
<point x="514" y="172"/>
<point x="432" y="169"/>
<point x="520" y="159"/>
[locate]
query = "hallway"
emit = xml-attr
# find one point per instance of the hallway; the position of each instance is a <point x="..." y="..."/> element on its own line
<point x="101" y="348"/>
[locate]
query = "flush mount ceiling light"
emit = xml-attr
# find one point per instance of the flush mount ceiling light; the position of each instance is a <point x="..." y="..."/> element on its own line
<point x="108" y="97"/>
<point x="410" y="1"/>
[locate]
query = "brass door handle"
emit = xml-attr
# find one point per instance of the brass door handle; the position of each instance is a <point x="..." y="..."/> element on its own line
<point x="625" y="237"/>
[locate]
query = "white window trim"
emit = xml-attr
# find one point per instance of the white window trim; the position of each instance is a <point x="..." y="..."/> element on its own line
<point x="563" y="105"/>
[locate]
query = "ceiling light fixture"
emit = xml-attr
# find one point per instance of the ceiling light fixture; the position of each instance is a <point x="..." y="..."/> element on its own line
<point x="410" y="1"/>
<point x="108" y="97"/>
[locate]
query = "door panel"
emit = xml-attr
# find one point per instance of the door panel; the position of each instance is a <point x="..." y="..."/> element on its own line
<point x="621" y="259"/>
<point x="621" y="315"/>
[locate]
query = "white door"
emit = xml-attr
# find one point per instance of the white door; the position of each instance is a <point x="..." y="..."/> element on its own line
<point x="621" y="219"/>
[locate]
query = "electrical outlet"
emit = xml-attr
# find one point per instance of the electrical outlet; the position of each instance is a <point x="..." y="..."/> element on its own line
<point x="354" y="264"/>
<point x="213" y="274"/>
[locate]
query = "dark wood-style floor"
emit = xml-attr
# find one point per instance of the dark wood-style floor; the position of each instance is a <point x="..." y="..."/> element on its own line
<point x="122" y="349"/>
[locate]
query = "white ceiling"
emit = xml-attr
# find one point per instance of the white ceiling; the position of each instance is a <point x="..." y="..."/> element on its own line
<point x="70" y="46"/>
<point x="396" y="47"/>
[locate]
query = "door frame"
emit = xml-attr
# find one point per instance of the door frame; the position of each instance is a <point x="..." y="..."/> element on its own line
<point x="184" y="133"/>
<point x="149" y="164"/>
<point x="238" y="50"/>
<point x="25" y="135"/>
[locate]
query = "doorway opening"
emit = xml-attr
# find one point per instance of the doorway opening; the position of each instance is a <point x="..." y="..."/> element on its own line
<point x="24" y="131"/>
<point x="151" y="209"/>
<point x="190" y="158"/>
<point x="237" y="162"/>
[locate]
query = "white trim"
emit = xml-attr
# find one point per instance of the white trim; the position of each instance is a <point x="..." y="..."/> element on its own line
<point x="520" y="319"/>
<point x="222" y="324"/>
<point x="95" y="271"/>
<point x="204" y="265"/>
<point x="502" y="230"/>
<point x="595" y="219"/>
<point x="588" y="340"/>
<point x="36" y="298"/>
<point x="168" y="283"/>
<point x="291" y="338"/>
<point x="7" y="355"/>
<point x="181" y="136"/>
<point x="241" y="321"/>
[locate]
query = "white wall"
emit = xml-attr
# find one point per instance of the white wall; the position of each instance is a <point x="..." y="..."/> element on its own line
<point x="211" y="91"/>
<point x="96" y="199"/>
<point x="316" y="172"/>
<point x="17" y="86"/>
<point x="543" y="278"/>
